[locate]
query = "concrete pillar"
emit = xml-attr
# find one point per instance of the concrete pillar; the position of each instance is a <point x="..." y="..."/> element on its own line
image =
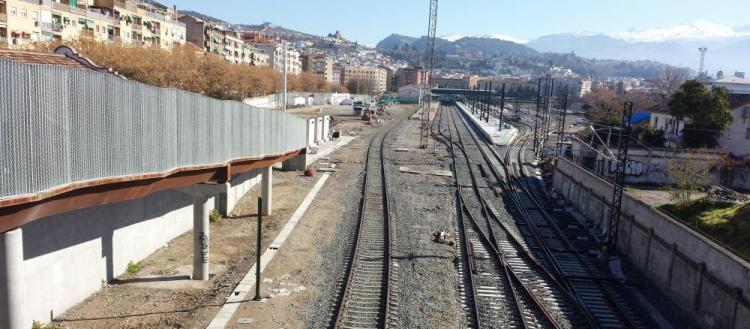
<point x="296" y="163"/>
<point x="12" y="285"/>
<point x="266" y="183"/>
<point x="200" y="238"/>
<point x="221" y="200"/>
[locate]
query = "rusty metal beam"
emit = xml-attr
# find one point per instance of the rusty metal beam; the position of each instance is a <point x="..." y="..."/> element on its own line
<point x="16" y="212"/>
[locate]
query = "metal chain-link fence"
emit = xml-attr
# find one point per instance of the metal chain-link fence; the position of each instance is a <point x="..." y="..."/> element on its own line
<point x="61" y="125"/>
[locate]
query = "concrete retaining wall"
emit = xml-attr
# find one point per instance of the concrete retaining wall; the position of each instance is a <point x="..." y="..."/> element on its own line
<point x="736" y="178"/>
<point x="68" y="256"/>
<point x="705" y="279"/>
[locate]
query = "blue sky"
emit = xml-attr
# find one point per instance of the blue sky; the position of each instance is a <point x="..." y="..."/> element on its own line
<point x="370" y="21"/>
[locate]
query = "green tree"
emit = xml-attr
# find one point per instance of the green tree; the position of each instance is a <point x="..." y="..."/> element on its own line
<point x="652" y="137"/>
<point x="360" y="86"/>
<point x="708" y="110"/>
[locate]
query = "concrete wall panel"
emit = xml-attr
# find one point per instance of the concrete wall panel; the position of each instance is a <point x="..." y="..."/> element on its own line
<point x="684" y="282"/>
<point x="68" y="256"/>
<point x="659" y="258"/>
<point x="742" y="317"/>
<point x="716" y="306"/>
<point x="679" y="274"/>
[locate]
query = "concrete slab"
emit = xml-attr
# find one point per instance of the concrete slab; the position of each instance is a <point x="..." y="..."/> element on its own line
<point x="443" y="173"/>
<point x="409" y="170"/>
<point x="177" y="281"/>
<point x="325" y="149"/>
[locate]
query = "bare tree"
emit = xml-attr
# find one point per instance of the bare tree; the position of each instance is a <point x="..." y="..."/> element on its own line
<point x="672" y="78"/>
<point x="691" y="174"/>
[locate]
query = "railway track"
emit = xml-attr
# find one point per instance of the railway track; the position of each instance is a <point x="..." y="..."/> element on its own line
<point x="595" y="292"/>
<point x="365" y="294"/>
<point x="596" y="289"/>
<point x="502" y="289"/>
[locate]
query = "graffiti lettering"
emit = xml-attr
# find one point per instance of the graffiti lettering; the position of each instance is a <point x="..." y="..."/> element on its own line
<point x="632" y="168"/>
<point x="204" y="246"/>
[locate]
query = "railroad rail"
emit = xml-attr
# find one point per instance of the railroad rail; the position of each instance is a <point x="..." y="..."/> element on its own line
<point x="594" y="290"/>
<point x="365" y="295"/>
<point x="508" y="288"/>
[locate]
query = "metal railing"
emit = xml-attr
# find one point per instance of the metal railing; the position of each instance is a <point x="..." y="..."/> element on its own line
<point x="61" y="125"/>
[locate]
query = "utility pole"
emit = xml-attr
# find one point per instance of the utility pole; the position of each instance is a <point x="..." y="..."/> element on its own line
<point x="431" y="29"/>
<point x="488" y="95"/>
<point x="284" y="97"/>
<point x="536" y="116"/>
<point x="502" y="106"/>
<point x="561" y="132"/>
<point x="622" y="159"/>
<point x="548" y="106"/>
<point x="258" y="250"/>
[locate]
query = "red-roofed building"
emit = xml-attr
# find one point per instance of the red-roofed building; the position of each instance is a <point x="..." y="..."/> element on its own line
<point x="63" y="56"/>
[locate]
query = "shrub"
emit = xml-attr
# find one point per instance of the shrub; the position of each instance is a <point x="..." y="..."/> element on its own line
<point x="215" y="216"/>
<point x="38" y="325"/>
<point x="134" y="268"/>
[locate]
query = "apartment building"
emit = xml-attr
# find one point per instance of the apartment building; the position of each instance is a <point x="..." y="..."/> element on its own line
<point x="318" y="64"/>
<point x="136" y="22"/>
<point x="410" y="76"/>
<point x="275" y="52"/>
<point x="206" y="35"/>
<point x="389" y="77"/>
<point x="133" y="22"/>
<point x="338" y="74"/>
<point x="220" y="40"/>
<point x="20" y="22"/>
<point x="253" y="56"/>
<point x="459" y="81"/>
<point x="378" y="77"/>
<point x="234" y="51"/>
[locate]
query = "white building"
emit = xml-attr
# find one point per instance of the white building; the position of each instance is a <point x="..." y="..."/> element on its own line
<point x="275" y="54"/>
<point x="735" y="85"/>
<point x="736" y="139"/>
<point x="410" y="93"/>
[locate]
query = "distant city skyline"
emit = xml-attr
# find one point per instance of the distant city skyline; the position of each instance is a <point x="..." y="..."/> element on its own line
<point x="520" y="21"/>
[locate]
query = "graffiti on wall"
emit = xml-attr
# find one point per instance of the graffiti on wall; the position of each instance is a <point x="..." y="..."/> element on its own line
<point x="636" y="168"/>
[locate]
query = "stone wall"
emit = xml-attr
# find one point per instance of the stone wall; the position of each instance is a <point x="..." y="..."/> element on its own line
<point x="708" y="281"/>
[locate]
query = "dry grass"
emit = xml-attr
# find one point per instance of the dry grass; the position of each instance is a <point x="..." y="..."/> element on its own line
<point x="188" y="68"/>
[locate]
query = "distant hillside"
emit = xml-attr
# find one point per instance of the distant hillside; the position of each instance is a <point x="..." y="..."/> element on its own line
<point x="395" y="41"/>
<point x="267" y="28"/>
<point x="495" y="47"/>
<point x="475" y="54"/>
<point x="275" y="30"/>
<point x="467" y="45"/>
<point x="728" y="53"/>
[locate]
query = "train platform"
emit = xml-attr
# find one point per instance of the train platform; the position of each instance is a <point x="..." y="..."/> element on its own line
<point x="491" y="129"/>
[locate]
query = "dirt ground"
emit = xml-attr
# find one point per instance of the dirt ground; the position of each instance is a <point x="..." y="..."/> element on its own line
<point x="162" y="296"/>
<point x="656" y="197"/>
